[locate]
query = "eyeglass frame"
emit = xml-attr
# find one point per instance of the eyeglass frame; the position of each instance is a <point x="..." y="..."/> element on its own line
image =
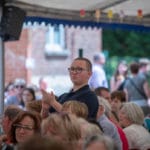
<point x="25" y="127"/>
<point x="76" y="69"/>
<point x="19" y="86"/>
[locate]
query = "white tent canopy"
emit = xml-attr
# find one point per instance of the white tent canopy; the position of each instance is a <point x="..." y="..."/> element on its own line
<point x="70" y="9"/>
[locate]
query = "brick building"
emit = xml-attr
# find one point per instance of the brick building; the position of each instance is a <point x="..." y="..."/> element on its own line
<point x="27" y="58"/>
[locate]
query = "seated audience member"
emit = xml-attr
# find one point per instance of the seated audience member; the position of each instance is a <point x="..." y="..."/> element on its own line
<point x="117" y="98"/>
<point x="108" y="127"/>
<point x="87" y="129"/>
<point x="108" y="112"/>
<point x="10" y="113"/>
<point x="64" y="128"/>
<point x="77" y="108"/>
<point x="25" y="125"/>
<point x="131" y="118"/>
<point x="42" y="143"/>
<point x="99" y="142"/>
<point x="103" y="92"/>
<point x="16" y="99"/>
<point x="28" y="95"/>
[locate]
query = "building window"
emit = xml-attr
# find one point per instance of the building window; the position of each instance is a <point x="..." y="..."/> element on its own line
<point x="55" y="42"/>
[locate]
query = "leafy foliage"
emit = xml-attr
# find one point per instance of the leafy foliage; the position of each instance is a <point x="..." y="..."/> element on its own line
<point x="126" y="43"/>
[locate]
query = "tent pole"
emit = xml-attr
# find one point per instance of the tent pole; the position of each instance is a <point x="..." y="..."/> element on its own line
<point x="1" y="70"/>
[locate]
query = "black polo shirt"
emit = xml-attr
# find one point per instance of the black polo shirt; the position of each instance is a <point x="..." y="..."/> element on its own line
<point x="84" y="95"/>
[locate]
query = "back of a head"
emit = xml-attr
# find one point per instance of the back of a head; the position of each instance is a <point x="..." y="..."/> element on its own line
<point x="42" y="143"/>
<point x="99" y="57"/>
<point x="98" y="90"/>
<point x="88" y="128"/>
<point x="106" y="142"/>
<point x="63" y="125"/>
<point x="34" y="106"/>
<point x="134" y="67"/>
<point x="77" y="108"/>
<point x="11" y="111"/>
<point x="19" y="81"/>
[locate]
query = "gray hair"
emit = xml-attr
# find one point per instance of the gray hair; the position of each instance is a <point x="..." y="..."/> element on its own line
<point x="98" y="56"/>
<point x="133" y="112"/>
<point x="103" y="102"/>
<point x="107" y="141"/>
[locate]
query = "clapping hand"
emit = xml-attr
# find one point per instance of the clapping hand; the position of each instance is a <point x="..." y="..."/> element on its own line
<point x="48" y="97"/>
<point x="47" y="102"/>
<point x="50" y="100"/>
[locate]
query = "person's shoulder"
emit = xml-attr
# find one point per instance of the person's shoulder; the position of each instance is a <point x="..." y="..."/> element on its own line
<point x="11" y="98"/>
<point x="141" y="76"/>
<point x="90" y="93"/>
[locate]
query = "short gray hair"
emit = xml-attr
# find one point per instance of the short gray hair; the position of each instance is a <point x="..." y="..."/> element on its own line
<point x="133" y="112"/>
<point x="107" y="141"/>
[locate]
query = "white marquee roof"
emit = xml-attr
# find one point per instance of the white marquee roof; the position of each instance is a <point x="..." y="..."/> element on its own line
<point x="69" y="9"/>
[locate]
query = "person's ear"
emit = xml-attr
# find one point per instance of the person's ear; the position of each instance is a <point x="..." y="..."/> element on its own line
<point x="102" y="108"/>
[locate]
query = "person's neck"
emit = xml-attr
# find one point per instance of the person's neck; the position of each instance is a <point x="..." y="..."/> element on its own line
<point x="77" y="87"/>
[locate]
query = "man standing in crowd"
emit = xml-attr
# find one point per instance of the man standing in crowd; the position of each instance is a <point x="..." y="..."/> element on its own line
<point x="80" y="72"/>
<point x="98" y="78"/>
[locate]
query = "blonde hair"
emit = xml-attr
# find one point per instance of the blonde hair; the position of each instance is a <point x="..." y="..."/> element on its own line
<point x="63" y="125"/>
<point x="105" y="140"/>
<point x="77" y="108"/>
<point x="88" y="129"/>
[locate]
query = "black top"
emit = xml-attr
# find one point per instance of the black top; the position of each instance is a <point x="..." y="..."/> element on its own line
<point x="84" y="95"/>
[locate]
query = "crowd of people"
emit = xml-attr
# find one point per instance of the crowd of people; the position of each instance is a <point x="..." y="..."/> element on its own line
<point x="90" y="116"/>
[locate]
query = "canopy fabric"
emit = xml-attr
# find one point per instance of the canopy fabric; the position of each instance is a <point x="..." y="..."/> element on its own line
<point x="87" y="24"/>
<point x="69" y="11"/>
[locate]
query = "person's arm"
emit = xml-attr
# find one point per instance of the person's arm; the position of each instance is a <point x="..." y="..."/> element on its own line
<point x="49" y="100"/>
<point x="45" y="104"/>
<point x="45" y="109"/>
<point x="146" y="89"/>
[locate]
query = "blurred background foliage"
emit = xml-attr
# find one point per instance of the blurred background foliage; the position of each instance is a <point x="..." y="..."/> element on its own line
<point x="124" y="45"/>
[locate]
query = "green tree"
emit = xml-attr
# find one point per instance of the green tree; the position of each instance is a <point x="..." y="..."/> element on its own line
<point x="126" y="43"/>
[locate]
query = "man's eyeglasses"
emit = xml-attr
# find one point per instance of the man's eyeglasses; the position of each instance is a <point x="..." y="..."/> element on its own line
<point x="76" y="70"/>
<point x="19" y="86"/>
<point x="25" y="127"/>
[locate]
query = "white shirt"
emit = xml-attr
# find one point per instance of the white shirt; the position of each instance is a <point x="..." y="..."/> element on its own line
<point x="138" y="137"/>
<point x="98" y="78"/>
